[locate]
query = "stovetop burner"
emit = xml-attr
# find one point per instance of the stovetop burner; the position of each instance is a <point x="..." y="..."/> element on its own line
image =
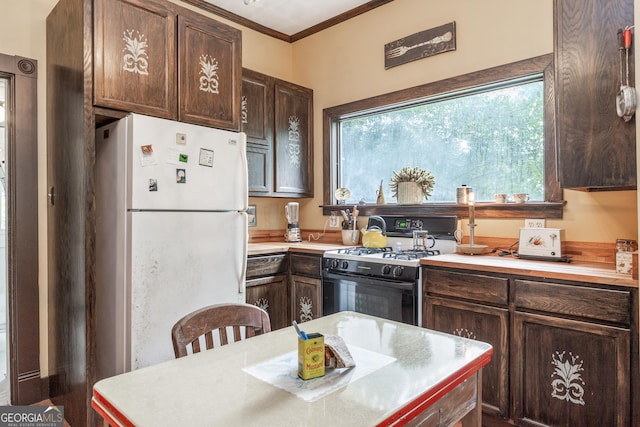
<point x="411" y="254"/>
<point x="361" y="250"/>
<point x="389" y="253"/>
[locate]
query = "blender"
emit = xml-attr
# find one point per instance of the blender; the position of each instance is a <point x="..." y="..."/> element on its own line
<point x="291" y="210"/>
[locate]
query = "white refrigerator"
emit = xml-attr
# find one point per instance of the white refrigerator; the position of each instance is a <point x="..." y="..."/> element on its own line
<point x="171" y="233"/>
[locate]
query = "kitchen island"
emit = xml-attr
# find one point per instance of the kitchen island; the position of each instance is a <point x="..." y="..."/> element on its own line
<point x="402" y="373"/>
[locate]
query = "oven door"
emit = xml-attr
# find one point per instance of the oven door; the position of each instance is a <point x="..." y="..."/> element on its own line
<point x="393" y="300"/>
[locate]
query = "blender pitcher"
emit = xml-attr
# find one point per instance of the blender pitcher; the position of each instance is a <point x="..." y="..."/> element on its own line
<point x="291" y="211"/>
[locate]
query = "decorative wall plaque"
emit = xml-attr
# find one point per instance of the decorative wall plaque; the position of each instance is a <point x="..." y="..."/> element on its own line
<point x="420" y="45"/>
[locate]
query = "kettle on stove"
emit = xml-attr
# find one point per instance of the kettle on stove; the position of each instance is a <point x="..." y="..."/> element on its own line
<point x="375" y="236"/>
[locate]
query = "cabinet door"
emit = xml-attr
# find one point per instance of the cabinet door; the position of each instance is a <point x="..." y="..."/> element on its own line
<point x="256" y="114"/>
<point x="270" y="294"/>
<point x="293" y="140"/>
<point x="210" y="72"/>
<point x="596" y="148"/>
<point x="256" y="120"/>
<point x="260" y="170"/>
<point x="569" y="373"/>
<point x="135" y="57"/>
<point x="482" y="323"/>
<point x="306" y="298"/>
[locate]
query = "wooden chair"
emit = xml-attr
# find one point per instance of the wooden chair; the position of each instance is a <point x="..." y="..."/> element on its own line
<point x="212" y="323"/>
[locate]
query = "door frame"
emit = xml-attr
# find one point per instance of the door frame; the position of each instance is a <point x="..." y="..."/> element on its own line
<point x="23" y="330"/>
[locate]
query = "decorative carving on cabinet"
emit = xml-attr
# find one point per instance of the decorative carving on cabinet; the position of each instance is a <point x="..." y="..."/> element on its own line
<point x="294" y="142"/>
<point x="244" y="113"/>
<point x="209" y="74"/>
<point x="567" y="383"/>
<point x="465" y="333"/>
<point x="263" y="303"/>
<point x="135" y="58"/>
<point x="306" y="309"/>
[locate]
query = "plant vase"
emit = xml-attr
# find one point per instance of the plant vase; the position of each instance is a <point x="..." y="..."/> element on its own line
<point x="409" y="193"/>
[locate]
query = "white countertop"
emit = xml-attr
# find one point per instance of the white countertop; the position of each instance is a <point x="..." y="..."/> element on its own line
<point x="211" y="388"/>
<point x="274" y="247"/>
<point x="576" y="271"/>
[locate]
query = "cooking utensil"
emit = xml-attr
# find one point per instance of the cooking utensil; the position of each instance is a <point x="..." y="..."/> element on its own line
<point x="626" y="100"/>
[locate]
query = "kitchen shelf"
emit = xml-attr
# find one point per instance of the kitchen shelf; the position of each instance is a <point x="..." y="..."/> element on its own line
<point x="548" y="210"/>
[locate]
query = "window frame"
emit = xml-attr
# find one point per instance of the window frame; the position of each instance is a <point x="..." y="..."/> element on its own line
<point x="551" y="207"/>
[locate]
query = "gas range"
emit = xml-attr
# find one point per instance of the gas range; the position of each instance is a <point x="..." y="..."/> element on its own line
<point x="399" y="259"/>
<point x="385" y="282"/>
<point x="377" y="262"/>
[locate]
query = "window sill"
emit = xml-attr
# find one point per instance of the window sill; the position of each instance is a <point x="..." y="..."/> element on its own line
<point x="548" y="210"/>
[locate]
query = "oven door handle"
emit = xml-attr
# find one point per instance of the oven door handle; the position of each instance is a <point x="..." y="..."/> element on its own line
<point x="369" y="281"/>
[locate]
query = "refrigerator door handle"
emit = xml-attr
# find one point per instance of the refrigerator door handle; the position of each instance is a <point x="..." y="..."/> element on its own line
<point x="241" y="282"/>
<point x="245" y="168"/>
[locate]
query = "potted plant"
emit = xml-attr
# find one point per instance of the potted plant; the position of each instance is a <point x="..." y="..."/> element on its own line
<point x="411" y="185"/>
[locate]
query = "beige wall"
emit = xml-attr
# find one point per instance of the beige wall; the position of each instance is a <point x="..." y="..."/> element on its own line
<point x="345" y="63"/>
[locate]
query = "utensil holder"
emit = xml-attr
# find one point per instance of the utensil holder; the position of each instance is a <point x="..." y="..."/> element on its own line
<point x="350" y="237"/>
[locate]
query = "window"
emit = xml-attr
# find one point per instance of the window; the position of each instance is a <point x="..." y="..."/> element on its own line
<point x="489" y="138"/>
<point x="490" y="130"/>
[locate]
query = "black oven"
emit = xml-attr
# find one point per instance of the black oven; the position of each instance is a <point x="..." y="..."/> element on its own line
<point x="389" y="299"/>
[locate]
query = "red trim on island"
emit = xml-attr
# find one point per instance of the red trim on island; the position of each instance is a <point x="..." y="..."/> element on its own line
<point x="422" y="402"/>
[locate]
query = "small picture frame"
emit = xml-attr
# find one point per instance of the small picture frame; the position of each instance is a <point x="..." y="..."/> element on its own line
<point x="251" y="213"/>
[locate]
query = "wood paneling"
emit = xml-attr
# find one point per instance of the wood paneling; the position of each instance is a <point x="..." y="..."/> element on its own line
<point x="71" y="238"/>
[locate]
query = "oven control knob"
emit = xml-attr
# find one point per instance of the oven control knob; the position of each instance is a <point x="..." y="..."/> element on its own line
<point x="334" y="263"/>
<point x="397" y="271"/>
<point x="345" y="264"/>
<point x="386" y="269"/>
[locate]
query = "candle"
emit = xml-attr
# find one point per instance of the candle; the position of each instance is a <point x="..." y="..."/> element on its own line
<point x="471" y="202"/>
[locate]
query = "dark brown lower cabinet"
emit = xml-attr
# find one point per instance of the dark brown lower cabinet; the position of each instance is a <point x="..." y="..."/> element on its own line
<point x="306" y="287"/>
<point x="483" y="323"/>
<point x="306" y="298"/>
<point x="565" y="352"/>
<point x="267" y="287"/>
<point x="270" y="294"/>
<point x="570" y="373"/>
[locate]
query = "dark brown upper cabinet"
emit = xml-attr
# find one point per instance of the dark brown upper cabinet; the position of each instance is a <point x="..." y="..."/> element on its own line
<point x="210" y="72"/>
<point x="293" y="140"/>
<point x="277" y="117"/>
<point x="135" y="57"/>
<point x="256" y="120"/>
<point x="596" y="148"/>
<point x="148" y="55"/>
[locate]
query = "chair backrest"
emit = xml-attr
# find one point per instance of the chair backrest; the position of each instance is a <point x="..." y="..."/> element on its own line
<point x="212" y="322"/>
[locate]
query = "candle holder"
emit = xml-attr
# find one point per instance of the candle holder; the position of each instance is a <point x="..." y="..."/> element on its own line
<point x="471" y="248"/>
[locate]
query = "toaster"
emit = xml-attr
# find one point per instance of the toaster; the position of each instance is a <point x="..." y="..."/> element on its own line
<point x="541" y="242"/>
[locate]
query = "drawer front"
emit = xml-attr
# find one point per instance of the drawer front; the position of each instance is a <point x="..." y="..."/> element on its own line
<point x="266" y="265"/>
<point x="306" y="265"/>
<point x="476" y="287"/>
<point x="592" y="303"/>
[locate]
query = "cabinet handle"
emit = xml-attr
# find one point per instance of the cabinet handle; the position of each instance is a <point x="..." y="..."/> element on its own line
<point x="51" y="195"/>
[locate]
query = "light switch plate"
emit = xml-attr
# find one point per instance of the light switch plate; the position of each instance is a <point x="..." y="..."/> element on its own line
<point x="181" y="138"/>
<point x="534" y="223"/>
